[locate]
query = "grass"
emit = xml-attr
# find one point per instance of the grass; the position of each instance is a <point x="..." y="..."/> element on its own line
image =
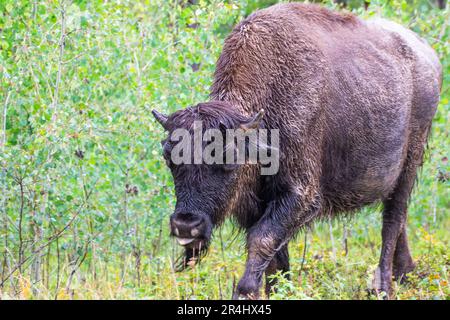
<point x="78" y="79"/>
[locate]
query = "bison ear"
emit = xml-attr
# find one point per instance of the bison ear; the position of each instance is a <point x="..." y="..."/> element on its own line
<point x="161" y="118"/>
<point x="254" y="121"/>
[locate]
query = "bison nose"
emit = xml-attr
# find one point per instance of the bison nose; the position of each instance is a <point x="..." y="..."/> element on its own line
<point x="186" y="227"/>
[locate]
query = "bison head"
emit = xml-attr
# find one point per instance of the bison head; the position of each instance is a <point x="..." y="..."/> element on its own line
<point x="204" y="189"/>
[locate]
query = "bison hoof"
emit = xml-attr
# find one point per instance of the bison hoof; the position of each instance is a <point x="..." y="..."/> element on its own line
<point x="381" y="288"/>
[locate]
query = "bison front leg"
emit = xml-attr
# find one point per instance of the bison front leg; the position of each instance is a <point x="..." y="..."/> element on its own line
<point x="282" y="219"/>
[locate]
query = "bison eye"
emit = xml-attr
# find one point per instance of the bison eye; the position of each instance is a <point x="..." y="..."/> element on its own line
<point x="167" y="148"/>
<point x="166" y="156"/>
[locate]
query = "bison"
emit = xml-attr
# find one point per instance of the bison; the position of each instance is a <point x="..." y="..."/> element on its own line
<point x="353" y="101"/>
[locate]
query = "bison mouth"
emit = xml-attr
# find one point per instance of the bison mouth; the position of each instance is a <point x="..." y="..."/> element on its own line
<point x="194" y="250"/>
<point x="193" y="232"/>
<point x="192" y="243"/>
<point x="185" y="241"/>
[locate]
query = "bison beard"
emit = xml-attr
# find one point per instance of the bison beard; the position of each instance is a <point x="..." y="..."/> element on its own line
<point x="353" y="101"/>
<point x="190" y="257"/>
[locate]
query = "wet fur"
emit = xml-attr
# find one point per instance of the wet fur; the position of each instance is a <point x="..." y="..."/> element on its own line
<point x="353" y="101"/>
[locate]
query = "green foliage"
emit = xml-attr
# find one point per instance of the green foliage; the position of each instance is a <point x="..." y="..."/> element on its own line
<point x="85" y="195"/>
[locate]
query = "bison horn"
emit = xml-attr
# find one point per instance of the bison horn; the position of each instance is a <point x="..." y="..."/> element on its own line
<point x="161" y="118"/>
<point x="254" y="122"/>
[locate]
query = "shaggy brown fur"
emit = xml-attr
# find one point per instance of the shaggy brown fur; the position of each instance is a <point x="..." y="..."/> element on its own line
<point x="353" y="101"/>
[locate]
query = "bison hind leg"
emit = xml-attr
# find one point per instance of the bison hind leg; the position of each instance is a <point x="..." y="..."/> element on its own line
<point x="395" y="259"/>
<point x="280" y="262"/>
<point x="403" y="262"/>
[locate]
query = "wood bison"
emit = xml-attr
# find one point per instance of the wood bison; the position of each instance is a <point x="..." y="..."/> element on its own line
<point x="353" y="102"/>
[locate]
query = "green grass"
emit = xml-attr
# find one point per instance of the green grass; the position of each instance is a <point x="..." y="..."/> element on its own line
<point x="79" y="135"/>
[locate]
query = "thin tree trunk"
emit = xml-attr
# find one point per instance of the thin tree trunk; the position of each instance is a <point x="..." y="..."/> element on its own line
<point x="5" y="263"/>
<point x="21" y="224"/>
<point x="62" y="40"/>
<point x="344" y="240"/>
